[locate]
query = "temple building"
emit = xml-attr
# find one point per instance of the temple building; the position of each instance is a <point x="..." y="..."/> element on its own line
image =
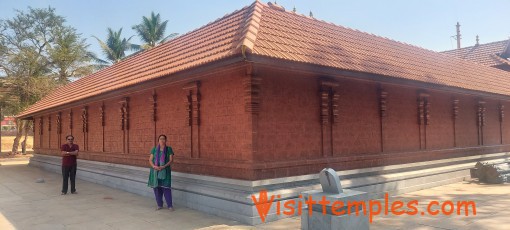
<point x="494" y="54"/>
<point x="264" y="98"/>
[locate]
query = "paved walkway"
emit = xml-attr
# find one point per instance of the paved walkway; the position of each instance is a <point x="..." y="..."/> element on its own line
<point x="25" y="204"/>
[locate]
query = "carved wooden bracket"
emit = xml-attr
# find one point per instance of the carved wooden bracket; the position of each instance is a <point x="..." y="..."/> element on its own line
<point x="335" y="106"/>
<point x="329" y="110"/>
<point x="124" y="113"/>
<point x="189" y="110"/>
<point x="423" y="109"/>
<point x="423" y="117"/>
<point x="455" y="109"/>
<point x="193" y="102"/>
<point x="101" y="114"/>
<point x="481" y="121"/>
<point x="427" y="112"/>
<point x="59" y="123"/>
<point x="252" y="85"/>
<point x="325" y="118"/>
<point x="329" y="113"/>
<point x="455" y="106"/>
<point x="193" y="119"/>
<point x="481" y="114"/>
<point x="154" y="101"/>
<point x="84" y="118"/>
<point x="40" y="125"/>
<point x="71" y="120"/>
<point x="383" y="96"/>
<point x="501" y="112"/>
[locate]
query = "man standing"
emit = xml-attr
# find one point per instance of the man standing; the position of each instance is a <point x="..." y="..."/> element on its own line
<point x="69" y="153"/>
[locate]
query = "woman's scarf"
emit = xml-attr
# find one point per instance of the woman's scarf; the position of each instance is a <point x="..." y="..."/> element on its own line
<point x="160" y="157"/>
<point x="160" y="161"/>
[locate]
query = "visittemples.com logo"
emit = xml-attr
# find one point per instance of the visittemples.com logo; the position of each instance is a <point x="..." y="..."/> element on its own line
<point x="371" y="207"/>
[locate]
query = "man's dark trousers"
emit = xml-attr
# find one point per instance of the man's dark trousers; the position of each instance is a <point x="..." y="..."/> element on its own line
<point x="69" y="172"/>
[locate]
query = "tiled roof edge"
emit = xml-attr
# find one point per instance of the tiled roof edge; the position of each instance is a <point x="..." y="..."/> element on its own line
<point x="115" y="67"/>
<point x="507" y="47"/>
<point x="499" y="59"/>
<point x="453" y="51"/>
<point x="251" y="28"/>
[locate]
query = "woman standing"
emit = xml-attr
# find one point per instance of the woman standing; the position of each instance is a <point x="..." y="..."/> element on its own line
<point x="160" y="179"/>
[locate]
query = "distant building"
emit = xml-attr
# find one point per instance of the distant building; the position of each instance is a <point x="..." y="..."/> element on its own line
<point x="494" y="54"/>
<point x="9" y="123"/>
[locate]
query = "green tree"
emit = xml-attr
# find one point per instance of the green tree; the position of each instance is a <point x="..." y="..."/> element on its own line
<point x="152" y="31"/>
<point x="115" y="47"/>
<point x="69" y="55"/>
<point x="38" y="52"/>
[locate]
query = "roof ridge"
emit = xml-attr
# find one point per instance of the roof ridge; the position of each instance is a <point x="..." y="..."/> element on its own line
<point x="251" y="28"/>
<point x="464" y="60"/>
<point x="469" y="50"/>
<point x="507" y="47"/>
<point x="480" y="45"/>
<point x="499" y="59"/>
<point x="351" y="29"/>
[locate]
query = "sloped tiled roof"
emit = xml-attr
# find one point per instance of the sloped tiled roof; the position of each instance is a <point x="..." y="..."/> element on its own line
<point x="485" y="54"/>
<point x="214" y="41"/>
<point x="269" y="31"/>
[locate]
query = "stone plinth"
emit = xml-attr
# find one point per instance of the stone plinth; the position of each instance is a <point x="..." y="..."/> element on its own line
<point x="334" y="207"/>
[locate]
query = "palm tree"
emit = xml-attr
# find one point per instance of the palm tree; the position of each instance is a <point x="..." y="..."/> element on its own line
<point x="152" y="31"/>
<point x="114" y="48"/>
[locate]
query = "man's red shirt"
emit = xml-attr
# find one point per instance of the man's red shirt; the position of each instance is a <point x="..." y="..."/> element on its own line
<point x="71" y="159"/>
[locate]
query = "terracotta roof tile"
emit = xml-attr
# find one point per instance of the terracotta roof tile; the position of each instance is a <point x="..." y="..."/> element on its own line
<point x="270" y="32"/>
<point x="336" y="46"/>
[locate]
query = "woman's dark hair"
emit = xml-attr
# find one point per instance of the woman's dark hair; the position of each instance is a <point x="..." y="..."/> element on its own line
<point x="162" y="136"/>
<point x="69" y="136"/>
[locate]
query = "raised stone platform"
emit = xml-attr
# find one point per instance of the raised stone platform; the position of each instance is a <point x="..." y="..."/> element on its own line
<point x="232" y="198"/>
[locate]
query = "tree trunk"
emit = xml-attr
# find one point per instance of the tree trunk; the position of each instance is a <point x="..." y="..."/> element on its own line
<point x="19" y="130"/>
<point x="24" y="143"/>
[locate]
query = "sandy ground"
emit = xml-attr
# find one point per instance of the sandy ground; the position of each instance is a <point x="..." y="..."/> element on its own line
<point x="25" y="204"/>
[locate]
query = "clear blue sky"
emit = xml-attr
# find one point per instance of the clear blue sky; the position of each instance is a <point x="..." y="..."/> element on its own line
<point x="425" y="23"/>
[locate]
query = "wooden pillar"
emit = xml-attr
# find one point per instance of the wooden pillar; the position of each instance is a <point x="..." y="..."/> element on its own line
<point x="501" y="117"/>
<point x="328" y="113"/>
<point x="423" y="118"/>
<point x="124" y="115"/>
<point x="40" y="132"/>
<point x="85" y="129"/>
<point x="49" y="132"/>
<point x="383" y="96"/>
<point x="154" y="102"/>
<point x="193" y="106"/>
<point x="59" y="129"/>
<point x="455" y="105"/>
<point x="101" y="116"/>
<point x="71" y="121"/>
<point x="481" y="121"/>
